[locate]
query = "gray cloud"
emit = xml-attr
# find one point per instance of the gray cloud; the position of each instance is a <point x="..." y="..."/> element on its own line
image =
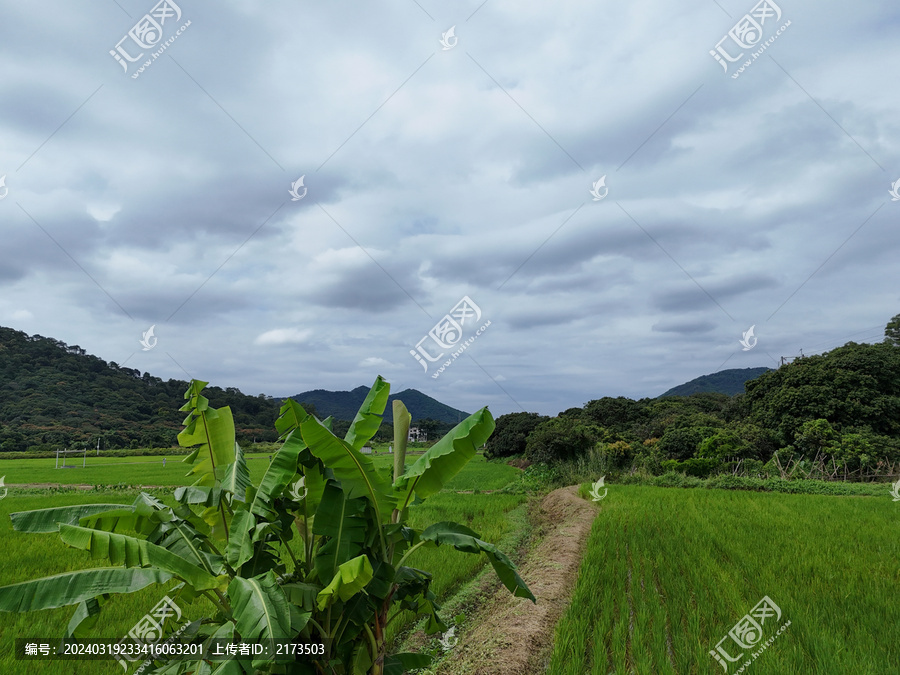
<point x="453" y="170"/>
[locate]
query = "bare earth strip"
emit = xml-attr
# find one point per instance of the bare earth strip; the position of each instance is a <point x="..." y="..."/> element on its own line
<point x="512" y="636"/>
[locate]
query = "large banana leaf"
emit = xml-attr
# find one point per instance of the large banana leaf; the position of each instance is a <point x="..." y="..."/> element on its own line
<point x="240" y="539"/>
<point x="72" y="588"/>
<point x="211" y="431"/>
<point x="278" y="474"/>
<point x="216" y="439"/>
<point x="413" y="593"/>
<point x="49" y="520"/>
<point x="144" y="516"/>
<point x="350" y="579"/>
<point x="445" y="458"/>
<point x="343" y="521"/>
<point x="261" y="609"/>
<point x="369" y="417"/>
<point x="313" y="487"/>
<point x="115" y="520"/>
<point x="87" y="612"/>
<point x="193" y="494"/>
<point x="463" y="539"/>
<point x="183" y="540"/>
<point x="237" y="477"/>
<point x="402" y="419"/>
<point x="131" y="552"/>
<point x="354" y="470"/>
<point x="290" y="417"/>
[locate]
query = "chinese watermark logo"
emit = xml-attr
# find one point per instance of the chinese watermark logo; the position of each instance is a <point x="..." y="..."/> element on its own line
<point x="447" y="333"/>
<point x="294" y="192"/>
<point x="599" y="189"/>
<point x="149" y="630"/>
<point x="449" y="39"/>
<point x="5" y="190"/>
<point x="298" y="490"/>
<point x="748" y="632"/>
<point x="149" y="340"/>
<point x="895" y="493"/>
<point x="595" y="490"/>
<point x="894" y="191"/>
<point x="146" y="34"/>
<point x="746" y="34"/>
<point x="749" y="340"/>
<point x="448" y="640"/>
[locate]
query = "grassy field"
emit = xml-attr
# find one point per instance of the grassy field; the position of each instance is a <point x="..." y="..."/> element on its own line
<point x="29" y="556"/>
<point x="669" y="572"/>
<point x="479" y="474"/>
<point x="111" y="470"/>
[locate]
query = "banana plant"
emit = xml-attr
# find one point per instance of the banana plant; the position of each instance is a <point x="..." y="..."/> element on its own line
<point x="326" y="564"/>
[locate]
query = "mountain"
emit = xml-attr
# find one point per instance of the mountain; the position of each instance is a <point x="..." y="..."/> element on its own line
<point x="343" y="405"/>
<point x="729" y="382"/>
<point x="54" y="395"/>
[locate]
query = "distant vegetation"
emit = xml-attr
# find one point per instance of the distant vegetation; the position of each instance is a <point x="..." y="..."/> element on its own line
<point x="342" y="405"/>
<point x="729" y="382"/>
<point x="832" y="416"/>
<point x="54" y="395"/>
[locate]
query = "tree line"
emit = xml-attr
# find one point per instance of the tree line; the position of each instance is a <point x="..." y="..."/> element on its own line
<point x="835" y="415"/>
<point x="55" y="396"/>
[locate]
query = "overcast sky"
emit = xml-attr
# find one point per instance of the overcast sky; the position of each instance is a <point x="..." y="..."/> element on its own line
<point x="434" y="171"/>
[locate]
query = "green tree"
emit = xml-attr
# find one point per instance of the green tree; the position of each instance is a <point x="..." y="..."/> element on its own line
<point x="683" y="442"/>
<point x="560" y="439"/>
<point x="722" y="445"/>
<point x="618" y="414"/>
<point x="511" y="434"/>
<point x="857" y="385"/>
<point x="892" y="331"/>
<point x="816" y="437"/>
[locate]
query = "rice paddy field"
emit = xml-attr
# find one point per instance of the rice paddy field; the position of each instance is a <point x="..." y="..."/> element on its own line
<point x="30" y="556"/>
<point x="99" y="470"/>
<point x="669" y="572"/>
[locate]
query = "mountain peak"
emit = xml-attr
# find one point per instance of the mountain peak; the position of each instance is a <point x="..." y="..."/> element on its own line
<point x="343" y="405"/>
<point x="730" y="381"/>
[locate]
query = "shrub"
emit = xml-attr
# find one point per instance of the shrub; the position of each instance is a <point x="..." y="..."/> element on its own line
<point x="698" y="467"/>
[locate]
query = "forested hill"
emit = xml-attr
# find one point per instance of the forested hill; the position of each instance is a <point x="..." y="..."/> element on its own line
<point x="343" y="405"/>
<point x="54" y="395"/>
<point x="729" y="382"/>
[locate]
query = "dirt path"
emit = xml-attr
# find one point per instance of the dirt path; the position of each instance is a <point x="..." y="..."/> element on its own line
<point x="512" y="636"/>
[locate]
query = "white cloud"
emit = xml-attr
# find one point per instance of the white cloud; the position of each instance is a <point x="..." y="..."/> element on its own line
<point x="282" y="336"/>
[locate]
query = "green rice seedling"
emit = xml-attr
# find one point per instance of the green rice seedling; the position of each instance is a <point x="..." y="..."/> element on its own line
<point x="669" y="572"/>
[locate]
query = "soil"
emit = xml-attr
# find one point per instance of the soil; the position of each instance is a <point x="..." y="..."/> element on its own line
<point x="512" y="636"/>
